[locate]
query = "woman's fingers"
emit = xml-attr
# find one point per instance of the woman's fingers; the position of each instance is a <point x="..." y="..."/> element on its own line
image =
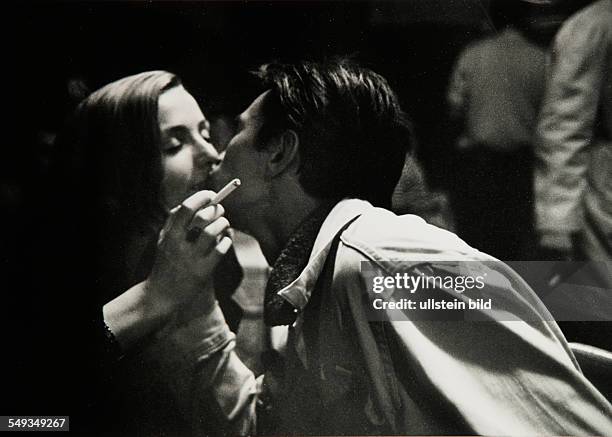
<point x="209" y="237"/>
<point x="188" y="220"/>
<point x="201" y="220"/>
<point x="221" y="248"/>
<point x="217" y="254"/>
<point x="205" y="216"/>
<point x="185" y="212"/>
<point x="194" y="238"/>
<point x="168" y="224"/>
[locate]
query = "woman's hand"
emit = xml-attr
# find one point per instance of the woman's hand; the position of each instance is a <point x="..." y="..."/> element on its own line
<point x="190" y="246"/>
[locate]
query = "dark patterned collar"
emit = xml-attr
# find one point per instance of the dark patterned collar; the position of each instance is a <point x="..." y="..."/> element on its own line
<point x="289" y="264"/>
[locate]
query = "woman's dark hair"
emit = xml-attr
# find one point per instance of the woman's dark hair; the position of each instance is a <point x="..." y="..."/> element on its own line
<point x="353" y="134"/>
<point x="110" y="164"/>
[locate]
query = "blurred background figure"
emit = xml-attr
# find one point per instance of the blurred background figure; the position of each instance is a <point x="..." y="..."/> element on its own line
<point x="494" y="96"/>
<point x="573" y="174"/>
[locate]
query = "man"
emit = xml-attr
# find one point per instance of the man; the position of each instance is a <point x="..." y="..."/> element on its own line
<point x="494" y="96"/>
<point x="574" y="141"/>
<point x="312" y="152"/>
<point x="573" y="148"/>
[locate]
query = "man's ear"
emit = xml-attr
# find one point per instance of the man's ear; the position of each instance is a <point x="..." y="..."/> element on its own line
<point x="283" y="154"/>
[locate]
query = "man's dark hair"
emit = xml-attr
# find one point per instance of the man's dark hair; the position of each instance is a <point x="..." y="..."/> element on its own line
<point x="353" y="134"/>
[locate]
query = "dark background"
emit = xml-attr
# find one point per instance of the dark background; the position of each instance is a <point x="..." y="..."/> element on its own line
<point x="212" y="44"/>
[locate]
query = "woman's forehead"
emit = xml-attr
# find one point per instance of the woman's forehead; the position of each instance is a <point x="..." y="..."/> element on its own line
<point x="177" y="107"/>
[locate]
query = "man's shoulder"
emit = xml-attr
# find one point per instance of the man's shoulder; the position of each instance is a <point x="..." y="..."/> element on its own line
<point x="596" y="18"/>
<point x="380" y="235"/>
<point x="485" y="43"/>
<point x="471" y="51"/>
<point x="475" y="52"/>
<point x="597" y="13"/>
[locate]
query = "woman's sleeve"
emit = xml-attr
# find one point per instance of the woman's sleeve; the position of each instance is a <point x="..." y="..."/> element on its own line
<point x="215" y="391"/>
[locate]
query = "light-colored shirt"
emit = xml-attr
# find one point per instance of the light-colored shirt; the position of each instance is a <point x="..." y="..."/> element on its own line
<point x="496" y="88"/>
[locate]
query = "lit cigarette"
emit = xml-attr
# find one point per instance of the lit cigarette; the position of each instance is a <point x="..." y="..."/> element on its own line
<point x="225" y="191"/>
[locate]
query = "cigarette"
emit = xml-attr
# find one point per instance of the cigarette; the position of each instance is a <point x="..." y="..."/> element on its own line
<point x="225" y="191"/>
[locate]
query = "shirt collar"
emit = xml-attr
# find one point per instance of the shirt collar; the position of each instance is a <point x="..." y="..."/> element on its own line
<point x="298" y="292"/>
<point x="289" y="264"/>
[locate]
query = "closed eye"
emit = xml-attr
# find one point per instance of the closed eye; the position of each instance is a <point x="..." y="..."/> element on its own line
<point x="172" y="146"/>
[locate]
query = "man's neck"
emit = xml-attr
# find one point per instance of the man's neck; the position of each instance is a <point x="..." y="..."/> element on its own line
<point x="281" y="227"/>
<point x="283" y="217"/>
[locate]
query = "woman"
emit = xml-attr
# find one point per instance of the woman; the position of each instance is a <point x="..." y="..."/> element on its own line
<point x="131" y="154"/>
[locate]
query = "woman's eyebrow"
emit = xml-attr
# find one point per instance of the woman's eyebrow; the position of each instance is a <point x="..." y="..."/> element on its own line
<point x="175" y="130"/>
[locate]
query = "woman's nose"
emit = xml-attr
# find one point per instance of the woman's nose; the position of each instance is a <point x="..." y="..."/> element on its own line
<point x="205" y="153"/>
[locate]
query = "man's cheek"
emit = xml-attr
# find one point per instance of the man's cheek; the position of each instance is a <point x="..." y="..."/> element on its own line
<point x="218" y="178"/>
